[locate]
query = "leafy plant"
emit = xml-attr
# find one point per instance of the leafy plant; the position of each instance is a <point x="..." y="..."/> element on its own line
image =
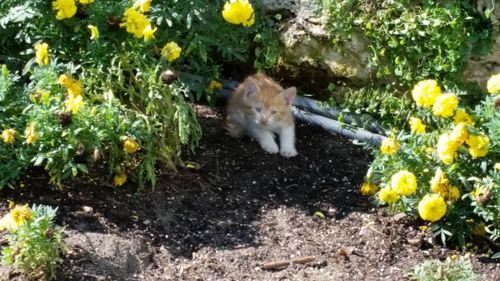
<point x="35" y="246"/>
<point x="460" y="269"/>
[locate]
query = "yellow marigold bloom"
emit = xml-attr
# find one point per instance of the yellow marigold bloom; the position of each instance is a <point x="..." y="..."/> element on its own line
<point x="417" y="126"/>
<point x="432" y="207"/>
<point x="493" y="84"/>
<point x="446" y="149"/>
<point x="439" y="183"/>
<point x="74" y="86"/>
<point x="478" y="145"/>
<point x="21" y="214"/>
<point x="42" y="53"/>
<point x="40" y="96"/>
<point x="86" y="1"/>
<point x="460" y="133"/>
<point x="120" y="179"/>
<point x="445" y="105"/>
<point x="130" y="145"/>
<point x="404" y="183"/>
<point x="497" y="166"/>
<point x="389" y="146"/>
<point x="94" y="32"/>
<point x="425" y="92"/>
<point x="135" y="22"/>
<point x="8" y="135"/>
<point x="214" y="85"/>
<point x="239" y="12"/>
<point x="368" y="189"/>
<point x="149" y="33"/>
<point x="142" y="5"/>
<point x="388" y="195"/>
<point x="462" y="116"/>
<point x="74" y="103"/>
<point x="65" y="8"/>
<point x="171" y="51"/>
<point x="7" y="223"/>
<point x="453" y="193"/>
<point x="30" y="134"/>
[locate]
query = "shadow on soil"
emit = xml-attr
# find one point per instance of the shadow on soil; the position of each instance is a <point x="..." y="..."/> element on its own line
<point x="217" y="204"/>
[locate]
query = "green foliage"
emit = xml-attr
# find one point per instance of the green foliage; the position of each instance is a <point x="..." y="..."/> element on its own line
<point x="408" y="41"/>
<point x="412" y="41"/>
<point x="388" y="105"/>
<point x="460" y="269"/>
<point x="123" y="94"/>
<point x="34" y="248"/>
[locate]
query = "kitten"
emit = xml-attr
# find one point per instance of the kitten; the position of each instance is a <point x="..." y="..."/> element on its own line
<point x="260" y="108"/>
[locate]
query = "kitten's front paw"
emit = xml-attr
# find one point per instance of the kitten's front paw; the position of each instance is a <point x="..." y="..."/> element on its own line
<point x="270" y="147"/>
<point x="291" y="152"/>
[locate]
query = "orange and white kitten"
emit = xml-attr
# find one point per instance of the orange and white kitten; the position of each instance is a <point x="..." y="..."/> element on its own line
<point x="260" y="108"/>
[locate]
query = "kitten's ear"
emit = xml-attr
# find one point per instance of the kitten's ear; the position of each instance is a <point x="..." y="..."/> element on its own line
<point x="289" y="95"/>
<point x="250" y="87"/>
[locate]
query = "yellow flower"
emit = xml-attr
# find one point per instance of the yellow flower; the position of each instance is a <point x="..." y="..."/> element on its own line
<point x="6" y="222"/>
<point x="478" y="145"/>
<point x="445" y="105"/>
<point x="40" y="96"/>
<point x="446" y="149"/>
<point x="439" y="183"/>
<point x="497" y="166"/>
<point x="130" y="145"/>
<point x="462" y="116"/>
<point x="239" y="12"/>
<point x="149" y="33"/>
<point x="453" y="193"/>
<point x="171" y="51"/>
<point x="432" y="207"/>
<point x="74" y="103"/>
<point x="30" y="134"/>
<point x="65" y="8"/>
<point x="368" y="189"/>
<point x="142" y="5"/>
<point x="42" y="53"/>
<point x="94" y="32"/>
<point x="493" y="84"/>
<point x="74" y="86"/>
<point x="8" y="135"/>
<point x="135" y="22"/>
<point x="120" y="179"/>
<point x="425" y="93"/>
<point x="404" y="183"/>
<point x="389" y="146"/>
<point x="388" y="195"/>
<point x="21" y="214"/>
<point x="460" y="133"/>
<point x="86" y="1"/>
<point x="417" y="126"/>
<point x="214" y="85"/>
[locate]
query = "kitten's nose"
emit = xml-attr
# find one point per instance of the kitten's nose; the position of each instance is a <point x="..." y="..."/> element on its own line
<point x="264" y="121"/>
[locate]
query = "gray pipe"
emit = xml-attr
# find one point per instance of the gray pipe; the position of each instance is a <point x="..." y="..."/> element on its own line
<point x="313" y="114"/>
<point x="336" y="127"/>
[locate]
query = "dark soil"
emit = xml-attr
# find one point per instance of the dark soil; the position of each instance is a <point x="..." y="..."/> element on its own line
<point x="235" y="211"/>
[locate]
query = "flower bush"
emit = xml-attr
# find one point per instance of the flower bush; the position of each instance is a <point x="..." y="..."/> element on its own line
<point x="443" y="167"/>
<point x="81" y="84"/>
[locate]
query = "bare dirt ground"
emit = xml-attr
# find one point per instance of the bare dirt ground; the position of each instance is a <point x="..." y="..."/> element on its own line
<point x="236" y="211"/>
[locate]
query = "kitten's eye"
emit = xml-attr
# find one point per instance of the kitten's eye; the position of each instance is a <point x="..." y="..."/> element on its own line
<point x="258" y="109"/>
<point x="273" y="111"/>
